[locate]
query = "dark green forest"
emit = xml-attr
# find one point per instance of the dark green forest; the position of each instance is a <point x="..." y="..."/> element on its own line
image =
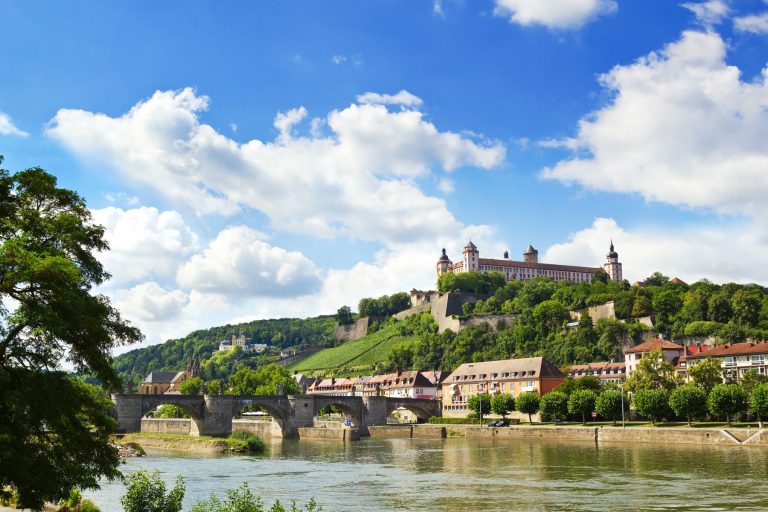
<point x="173" y="355"/>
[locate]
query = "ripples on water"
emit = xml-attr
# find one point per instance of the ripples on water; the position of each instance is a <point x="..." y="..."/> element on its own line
<point x="467" y="475"/>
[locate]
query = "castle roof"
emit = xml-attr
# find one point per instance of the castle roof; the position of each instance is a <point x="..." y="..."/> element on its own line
<point x="444" y="256"/>
<point x="612" y="252"/>
<point x="470" y="245"/>
<point x="530" y="250"/>
<point x="541" y="266"/>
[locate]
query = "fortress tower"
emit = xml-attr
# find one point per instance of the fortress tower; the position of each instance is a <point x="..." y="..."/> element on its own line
<point x="471" y="257"/>
<point x="612" y="265"/>
<point x="443" y="264"/>
<point x="531" y="255"/>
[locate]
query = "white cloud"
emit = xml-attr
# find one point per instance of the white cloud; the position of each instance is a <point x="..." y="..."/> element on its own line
<point x="150" y="302"/>
<point x="446" y="186"/>
<point x="8" y="128"/>
<point x="144" y="242"/>
<point x="338" y="59"/>
<point x="401" y="98"/>
<point x="708" y="13"/>
<point x="239" y="263"/>
<point x="122" y="197"/>
<point x="756" y="23"/>
<point x="681" y="128"/>
<point x="357" y="181"/>
<point x="437" y="8"/>
<point x="554" y="14"/>
<point x="721" y="253"/>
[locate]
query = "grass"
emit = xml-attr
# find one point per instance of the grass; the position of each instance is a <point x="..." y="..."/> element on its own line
<point x="359" y="354"/>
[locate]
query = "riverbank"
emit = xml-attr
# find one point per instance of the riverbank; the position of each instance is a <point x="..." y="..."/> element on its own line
<point x="597" y="434"/>
<point x="179" y="443"/>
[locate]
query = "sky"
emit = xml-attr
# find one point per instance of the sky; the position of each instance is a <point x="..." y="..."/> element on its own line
<point x="280" y="159"/>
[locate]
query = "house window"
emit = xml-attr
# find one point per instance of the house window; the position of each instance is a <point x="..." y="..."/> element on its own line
<point x="729" y="361"/>
<point x="470" y="388"/>
<point x="758" y="359"/>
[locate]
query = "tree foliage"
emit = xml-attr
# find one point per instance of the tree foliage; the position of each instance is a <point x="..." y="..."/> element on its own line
<point x="654" y="372"/>
<point x="759" y="402"/>
<point x="344" y="316"/>
<point x="706" y="374"/>
<point x="727" y="400"/>
<point x="582" y="402"/>
<point x="53" y="430"/>
<point x="191" y="386"/>
<point x="554" y="406"/>
<point x="688" y="401"/>
<point x="386" y="305"/>
<point x="147" y="492"/>
<point x="267" y="380"/>
<point x="502" y="404"/>
<point x="608" y="404"/>
<point x="475" y="282"/>
<point x="528" y="403"/>
<point x="242" y="499"/>
<point x="651" y="403"/>
<point x="479" y="404"/>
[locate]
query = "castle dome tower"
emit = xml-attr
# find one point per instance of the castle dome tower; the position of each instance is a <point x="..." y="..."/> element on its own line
<point x="531" y="255"/>
<point x="443" y="264"/>
<point x="612" y="266"/>
<point x="471" y="256"/>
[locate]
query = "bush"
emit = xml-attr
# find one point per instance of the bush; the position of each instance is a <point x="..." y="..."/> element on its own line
<point x="76" y="503"/>
<point x="147" y="493"/>
<point x="438" y="420"/>
<point x="243" y="500"/>
<point x="245" y="442"/>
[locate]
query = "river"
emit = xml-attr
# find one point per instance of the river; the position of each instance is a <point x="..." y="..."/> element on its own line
<point x="468" y="475"/>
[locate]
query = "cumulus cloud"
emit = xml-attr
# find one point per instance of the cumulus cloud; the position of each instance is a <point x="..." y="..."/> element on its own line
<point x="401" y="98"/>
<point x="239" y="262"/>
<point x="708" y="13"/>
<point x="681" y="127"/>
<point x="721" y="253"/>
<point x="144" y="242"/>
<point x="8" y="128"/>
<point x="554" y="14"/>
<point x="446" y="186"/>
<point x="150" y="302"/>
<point x="357" y="181"/>
<point x="755" y="23"/>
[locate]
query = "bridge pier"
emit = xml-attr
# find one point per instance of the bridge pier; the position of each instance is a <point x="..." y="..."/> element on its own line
<point x="376" y="412"/>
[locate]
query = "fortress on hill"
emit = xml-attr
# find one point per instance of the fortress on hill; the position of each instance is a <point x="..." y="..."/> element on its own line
<point x="529" y="267"/>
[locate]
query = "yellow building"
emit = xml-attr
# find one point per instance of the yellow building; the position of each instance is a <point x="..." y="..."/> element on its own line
<point x="513" y="376"/>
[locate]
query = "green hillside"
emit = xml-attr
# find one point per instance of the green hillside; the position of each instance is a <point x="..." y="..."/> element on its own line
<point x="174" y="354"/>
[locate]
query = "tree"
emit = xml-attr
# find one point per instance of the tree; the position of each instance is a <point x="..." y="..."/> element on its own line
<point x="746" y="307"/>
<point x="502" y="404"/>
<point x="214" y="387"/>
<point x="608" y="404"/>
<point x="582" y="402"/>
<point x="554" y="406"/>
<point x="750" y="379"/>
<point x="689" y="401"/>
<point x="479" y="404"/>
<point x="651" y="403"/>
<point x="654" y="372"/>
<point x="191" y="386"/>
<point x="706" y="374"/>
<point x="170" y="411"/>
<point x="147" y="493"/>
<point x="48" y="270"/>
<point x="642" y="306"/>
<point x="267" y="380"/>
<point x="401" y="356"/>
<point x="550" y="315"/>
<point x="344" y="316"/>
<point x="528" y="403"/>
<point x="719" y="308"/>
<point x="759" y="402"/>
<point x="727" y="400"/>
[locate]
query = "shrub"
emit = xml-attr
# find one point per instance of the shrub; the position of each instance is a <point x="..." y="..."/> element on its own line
<point x="243" y="500"/>
<point x="245" y="442"/>
<point x="147" y="493"/>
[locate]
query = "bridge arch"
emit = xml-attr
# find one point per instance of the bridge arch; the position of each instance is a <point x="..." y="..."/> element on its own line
<point x="422" y="409"/>
<point x="351" y="406"/>
<point x="278" y="409"/>
<point x="191" y="404"/>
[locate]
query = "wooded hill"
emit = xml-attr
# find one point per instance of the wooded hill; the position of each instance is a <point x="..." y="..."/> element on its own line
<point x="173" y="355"/>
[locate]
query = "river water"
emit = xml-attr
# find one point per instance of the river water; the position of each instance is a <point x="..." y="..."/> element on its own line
<point x="468" y="475"/>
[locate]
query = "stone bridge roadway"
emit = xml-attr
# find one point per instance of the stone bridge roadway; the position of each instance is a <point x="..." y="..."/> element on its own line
<point x="212" y="414"/>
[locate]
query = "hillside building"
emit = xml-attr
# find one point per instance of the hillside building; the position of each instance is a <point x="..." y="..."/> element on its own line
<point x="606" y="371"/>
<point x="242" y="342"/>
<point x="159" y="383"/>
<point x="735" y="358"/>
<point x="529" y="267"/>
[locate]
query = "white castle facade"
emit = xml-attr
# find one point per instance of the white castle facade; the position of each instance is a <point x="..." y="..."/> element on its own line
<point x="529" y="267"/>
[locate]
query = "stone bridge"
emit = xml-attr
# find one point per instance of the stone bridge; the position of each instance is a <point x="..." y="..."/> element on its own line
<point x="212" y="415"/>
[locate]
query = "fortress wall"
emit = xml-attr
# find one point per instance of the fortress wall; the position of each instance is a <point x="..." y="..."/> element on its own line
<point x="354" y="331"/>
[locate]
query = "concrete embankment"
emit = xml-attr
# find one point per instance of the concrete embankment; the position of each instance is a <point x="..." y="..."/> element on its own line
<point x="177" y="443"/>
<point x="600" y="434"/>
<point x="322" y="433"/>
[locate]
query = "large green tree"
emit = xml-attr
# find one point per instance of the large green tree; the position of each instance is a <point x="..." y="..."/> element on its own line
<point x="608" y="404"/>
<point x="727" y="400"/>
<point x="706" y="374"/>
<point x="654" y="372"/>
<point x="554" y="406"/>
<point x="582" y="402"/>
<point x="54" y="430"/>
<point x="651" y="403"/>
<point x="502" y="404"/>
<point x="688" y="401"/>
<point x="528" y="403"/>
<point x="267" y="380"/>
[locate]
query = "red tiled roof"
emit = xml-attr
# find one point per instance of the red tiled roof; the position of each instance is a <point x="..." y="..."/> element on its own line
<point x="735" y="349"/>
<point x="655" y="344"/>
<point x="541" y="266"/>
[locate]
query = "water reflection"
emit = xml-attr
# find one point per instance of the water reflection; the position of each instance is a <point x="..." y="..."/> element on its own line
<point x="462" y="475"/>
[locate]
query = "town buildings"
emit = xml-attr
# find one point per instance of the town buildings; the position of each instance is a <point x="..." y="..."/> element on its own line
<point x="159" y="383"/>
<point x="529" y="267"/>
<point x="240" y="341"/>
<point x="513" y="376"/>
<point x="671" y="352"/>
<point x="606" y="371"/>
<point x="735" y="358"/>
<point x="410" y="384"/>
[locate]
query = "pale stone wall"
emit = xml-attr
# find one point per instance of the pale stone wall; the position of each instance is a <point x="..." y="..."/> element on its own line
<point x="339" y="434"/>
<point x="493" y="320"/>
<point x="166" y="425"/>
<point x="354" y="331"/>
<point x="263" y="429"/>
<point x="596" y="313"/>
<point x="422" y="308"/>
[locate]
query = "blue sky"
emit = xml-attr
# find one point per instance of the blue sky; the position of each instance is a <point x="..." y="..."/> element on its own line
<point x="284" y="158"/>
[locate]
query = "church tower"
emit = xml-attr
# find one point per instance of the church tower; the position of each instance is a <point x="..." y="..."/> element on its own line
<point x="612" y="265"/>
<point x="471" y="258"/>
<point x="443" y="264"/>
